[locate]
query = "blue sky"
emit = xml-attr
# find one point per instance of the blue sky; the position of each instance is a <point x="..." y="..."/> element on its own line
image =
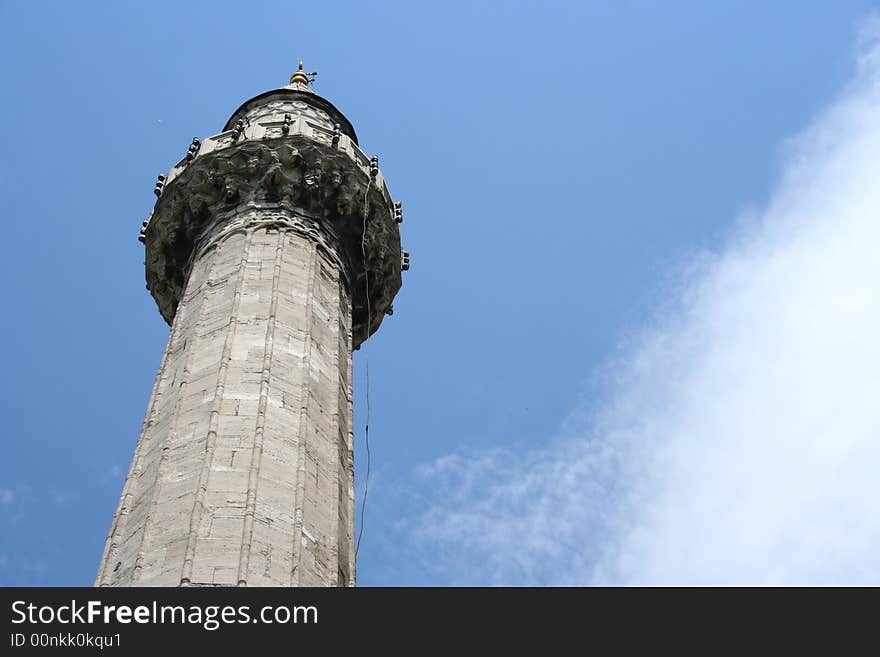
<point x="563" y="168"/>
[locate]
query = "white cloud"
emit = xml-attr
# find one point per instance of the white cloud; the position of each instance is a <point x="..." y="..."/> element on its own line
<point x="739" y="438"/>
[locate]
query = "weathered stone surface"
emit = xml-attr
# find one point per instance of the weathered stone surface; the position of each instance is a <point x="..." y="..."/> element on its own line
<point x="324" y="187"/>
<point x="243" y="473"/>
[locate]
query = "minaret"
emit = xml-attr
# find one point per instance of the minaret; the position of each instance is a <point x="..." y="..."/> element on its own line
<point x="272" y="251"/>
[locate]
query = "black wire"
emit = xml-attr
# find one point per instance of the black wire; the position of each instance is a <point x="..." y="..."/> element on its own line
<point x="366" y="490"/>
<point x="357" y="546"/>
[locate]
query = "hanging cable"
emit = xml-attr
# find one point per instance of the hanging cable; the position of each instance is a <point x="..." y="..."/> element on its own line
<point x="367" y="366"/>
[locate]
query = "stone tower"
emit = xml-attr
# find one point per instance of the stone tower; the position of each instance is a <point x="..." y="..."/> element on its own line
<point x="273" y="250"/>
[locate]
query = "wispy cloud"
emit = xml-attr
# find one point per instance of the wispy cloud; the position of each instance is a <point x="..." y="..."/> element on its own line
<point x="739" y="436"/>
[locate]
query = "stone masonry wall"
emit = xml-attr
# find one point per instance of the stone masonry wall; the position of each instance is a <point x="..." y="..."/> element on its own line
<point x="248" y="430"/>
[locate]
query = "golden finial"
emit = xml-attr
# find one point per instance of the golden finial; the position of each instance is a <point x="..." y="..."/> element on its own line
<point x="300" y="76"/>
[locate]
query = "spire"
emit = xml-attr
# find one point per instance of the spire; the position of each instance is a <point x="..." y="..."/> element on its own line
<point x="300" y="76"/>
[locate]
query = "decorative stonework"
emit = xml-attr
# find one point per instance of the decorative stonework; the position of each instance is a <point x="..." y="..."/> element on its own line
<point x="279" y="100"/>
<point x="321" y="186"/>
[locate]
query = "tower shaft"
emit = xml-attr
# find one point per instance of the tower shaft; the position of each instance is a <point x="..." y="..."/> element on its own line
<point x="243" y="472"/>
